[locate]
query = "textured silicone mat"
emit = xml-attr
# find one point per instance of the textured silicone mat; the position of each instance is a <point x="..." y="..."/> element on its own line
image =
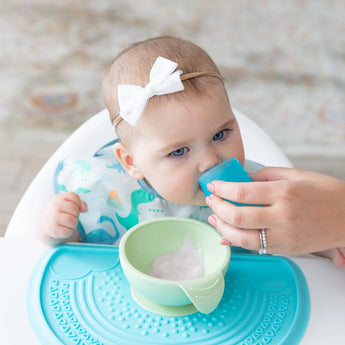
<point x="78" y="294"/>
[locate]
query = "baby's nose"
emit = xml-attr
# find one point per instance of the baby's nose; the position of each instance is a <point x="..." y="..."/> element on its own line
<point x="208" y="161"/>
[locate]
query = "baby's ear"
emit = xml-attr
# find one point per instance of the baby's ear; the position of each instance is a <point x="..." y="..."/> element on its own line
<point x="127" y="161"/>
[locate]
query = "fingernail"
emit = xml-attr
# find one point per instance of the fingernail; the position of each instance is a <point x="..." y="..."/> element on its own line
<point x="212" y="220"/>
<point x="83" y="207"/>
<point x="210" y="187"/>
<point x="209" y="201"/>
<point x="225" y="242"/>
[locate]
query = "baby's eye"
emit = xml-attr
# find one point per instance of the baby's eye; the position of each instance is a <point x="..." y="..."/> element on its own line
<point x="179" y="152"/>
<point x="220" y="135"/>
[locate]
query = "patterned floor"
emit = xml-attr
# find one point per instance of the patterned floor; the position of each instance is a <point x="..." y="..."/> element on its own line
<point x="284" y="64"/>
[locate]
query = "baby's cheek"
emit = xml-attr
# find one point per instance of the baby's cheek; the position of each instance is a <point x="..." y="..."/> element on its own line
<point x="178" y="192"/>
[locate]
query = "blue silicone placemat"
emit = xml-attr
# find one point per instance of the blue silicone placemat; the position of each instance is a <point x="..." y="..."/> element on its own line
<point x="78" y="294"/>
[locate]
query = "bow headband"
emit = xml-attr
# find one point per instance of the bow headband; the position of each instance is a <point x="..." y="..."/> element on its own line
<point x="163" y="80"/>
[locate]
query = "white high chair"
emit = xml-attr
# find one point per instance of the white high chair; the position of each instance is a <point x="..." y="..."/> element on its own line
<point x="98" y="131"/>
<point x="327" y="314"/>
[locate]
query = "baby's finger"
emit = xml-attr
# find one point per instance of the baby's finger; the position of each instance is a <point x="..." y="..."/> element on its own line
<point x="60" y="199"/>
<point x="69" y="203"/>
<point x="83" y="207"/>
<point x="72" y="197"/>
<point x="70" y="207"/>
<point x="339" y="257"/>
<point x="67" y="220"/>
<point x="61" y="231"/>
<point x="75" y="199"/>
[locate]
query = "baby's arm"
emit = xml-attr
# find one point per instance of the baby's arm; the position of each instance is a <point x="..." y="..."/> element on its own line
<point x="57" y="222"/>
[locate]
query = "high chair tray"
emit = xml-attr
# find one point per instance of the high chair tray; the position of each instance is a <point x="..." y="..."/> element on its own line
<point x="79" y="295"/>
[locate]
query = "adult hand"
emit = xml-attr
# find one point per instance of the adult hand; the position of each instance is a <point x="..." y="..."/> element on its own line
<point x="304" y="211"/>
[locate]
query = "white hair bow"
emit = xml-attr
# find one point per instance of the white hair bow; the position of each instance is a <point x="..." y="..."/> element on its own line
<point x="163" y="80"/>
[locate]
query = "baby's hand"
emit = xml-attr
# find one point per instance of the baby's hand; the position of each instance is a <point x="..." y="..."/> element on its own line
<point x="336" y="254"/>
<point x="57" y="223"/>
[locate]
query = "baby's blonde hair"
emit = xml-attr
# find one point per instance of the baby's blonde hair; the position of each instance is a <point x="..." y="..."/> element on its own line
<point x="133" y="65"/>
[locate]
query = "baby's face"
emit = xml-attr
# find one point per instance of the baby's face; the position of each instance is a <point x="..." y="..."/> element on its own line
<point x="176" y="142"/>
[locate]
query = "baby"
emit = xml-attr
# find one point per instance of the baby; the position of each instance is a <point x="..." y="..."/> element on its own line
<point x="171" y="112"/>
<point x="170" y="109"/>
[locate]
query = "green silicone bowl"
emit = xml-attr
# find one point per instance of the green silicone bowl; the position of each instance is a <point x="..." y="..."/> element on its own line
<point x="145" y="241"/>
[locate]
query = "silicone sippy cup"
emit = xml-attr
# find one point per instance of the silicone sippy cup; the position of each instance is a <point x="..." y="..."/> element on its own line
<point x="230" y="170"/>
<point x="148" y="240"/>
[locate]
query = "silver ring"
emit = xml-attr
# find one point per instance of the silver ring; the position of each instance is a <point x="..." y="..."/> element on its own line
<point x="263" y="241"/>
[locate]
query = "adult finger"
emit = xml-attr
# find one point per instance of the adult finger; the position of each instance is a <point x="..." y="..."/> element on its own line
<point x="244" y="238"/>
<point x="245" y="217"/>
<point x="276" y="174"/>
<point x="250" y="238"/>
<point x="257" y="193"/>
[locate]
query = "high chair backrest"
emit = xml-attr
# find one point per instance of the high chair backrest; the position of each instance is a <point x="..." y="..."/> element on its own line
<point x="96" y="132"/>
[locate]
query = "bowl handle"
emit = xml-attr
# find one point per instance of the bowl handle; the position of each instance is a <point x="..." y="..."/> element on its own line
<point x="206" y="292"/>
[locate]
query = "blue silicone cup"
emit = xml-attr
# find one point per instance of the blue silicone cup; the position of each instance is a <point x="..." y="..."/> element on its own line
<point x="230" y="170"/>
